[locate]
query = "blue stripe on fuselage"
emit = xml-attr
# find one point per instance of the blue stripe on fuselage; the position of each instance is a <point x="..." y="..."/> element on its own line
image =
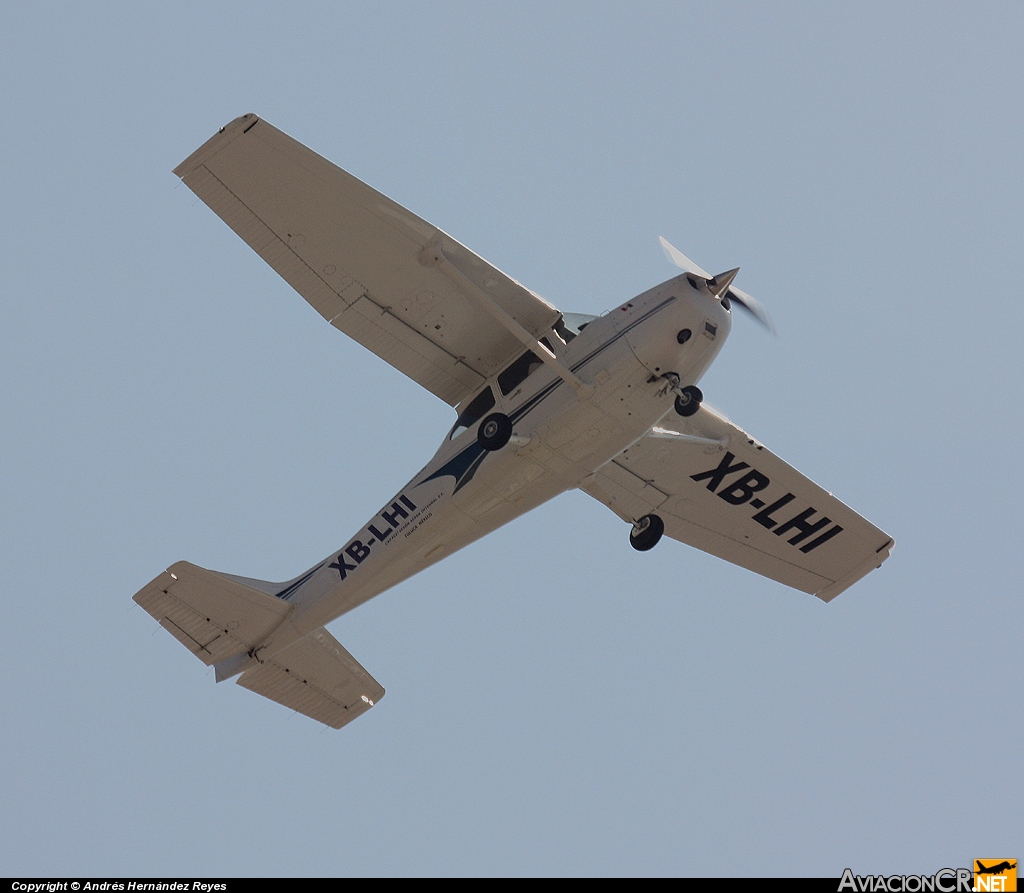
<point x="464" y="464"/>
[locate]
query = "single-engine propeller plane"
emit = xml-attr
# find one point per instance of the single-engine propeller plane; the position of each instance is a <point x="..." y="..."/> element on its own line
<point x="545" y="402"/>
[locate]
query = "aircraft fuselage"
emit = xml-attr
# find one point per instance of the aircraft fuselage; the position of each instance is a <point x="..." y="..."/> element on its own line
<point x="560" y="436"/>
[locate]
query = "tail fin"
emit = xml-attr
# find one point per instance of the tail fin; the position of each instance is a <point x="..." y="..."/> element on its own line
<point x="215" y="616"/>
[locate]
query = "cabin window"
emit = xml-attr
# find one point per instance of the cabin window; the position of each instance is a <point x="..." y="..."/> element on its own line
<point x="518" y="372"/>
<point x="482" y="403"/>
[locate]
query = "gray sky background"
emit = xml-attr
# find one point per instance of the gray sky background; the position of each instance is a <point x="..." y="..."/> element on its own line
<point x="557" y="703"/>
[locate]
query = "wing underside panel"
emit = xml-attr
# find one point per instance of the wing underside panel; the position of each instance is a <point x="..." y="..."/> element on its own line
<point x="357" y="258"/>
<point x="719" y="490"/>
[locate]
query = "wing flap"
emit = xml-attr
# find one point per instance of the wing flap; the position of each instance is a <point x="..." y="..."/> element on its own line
<point x="335" y="240"/>
<point x="403" y="347"/>
<point x="625" y="494"/>
<point x="318" y="678"/>
<point x="741" y="502"/>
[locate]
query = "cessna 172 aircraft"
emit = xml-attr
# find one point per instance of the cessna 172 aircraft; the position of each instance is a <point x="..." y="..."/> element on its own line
<point x="545" y="401"/>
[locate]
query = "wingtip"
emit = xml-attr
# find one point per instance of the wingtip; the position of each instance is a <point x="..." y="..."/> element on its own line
<point x="240" y="125"/>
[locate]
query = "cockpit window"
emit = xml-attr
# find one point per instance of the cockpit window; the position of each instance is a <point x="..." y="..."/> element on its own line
<point x="517" y="373"/>
<point x="482" y="403"/>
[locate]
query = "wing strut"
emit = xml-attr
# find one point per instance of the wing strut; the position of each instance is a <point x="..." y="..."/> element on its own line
<point x="665" y="434"/>
<point x="433" y="256"/>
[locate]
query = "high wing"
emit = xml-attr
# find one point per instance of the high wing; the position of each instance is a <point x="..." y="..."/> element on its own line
<point x="366" y="264"/>
<point x="719" y="490"/>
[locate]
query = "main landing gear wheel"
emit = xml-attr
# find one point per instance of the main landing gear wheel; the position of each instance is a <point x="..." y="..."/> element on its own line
<point x="494" y="431"/>
<point x="688" y="402"/>
<point x="646" y="532"/>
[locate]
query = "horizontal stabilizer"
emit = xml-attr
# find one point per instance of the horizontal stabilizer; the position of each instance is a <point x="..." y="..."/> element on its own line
<point x="215" y="617"/>
<point x="318" y="678"/>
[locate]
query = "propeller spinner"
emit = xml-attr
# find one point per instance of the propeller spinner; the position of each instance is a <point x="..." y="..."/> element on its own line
<point x="721" y="285"/>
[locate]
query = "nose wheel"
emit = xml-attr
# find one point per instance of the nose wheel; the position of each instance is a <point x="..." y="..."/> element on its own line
<point x="688" y="400"/>
<point x="646" y="532"/>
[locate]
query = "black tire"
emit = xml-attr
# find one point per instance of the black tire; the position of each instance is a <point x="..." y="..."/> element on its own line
<point x="494" y="431"/>
<point x="689" y="401"/>
<point x="651" y="530"/>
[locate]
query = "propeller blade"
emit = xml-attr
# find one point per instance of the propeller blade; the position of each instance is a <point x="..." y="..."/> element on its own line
<point x="720" y="284"/>
<point x="753" y="306"/>
<point x="675" y="256"/>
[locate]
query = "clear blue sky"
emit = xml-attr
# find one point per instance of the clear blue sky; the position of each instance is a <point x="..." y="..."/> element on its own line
<point x="557" y="704"/>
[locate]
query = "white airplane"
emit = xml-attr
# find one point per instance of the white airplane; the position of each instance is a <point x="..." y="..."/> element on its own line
<point x="545" y="401"/>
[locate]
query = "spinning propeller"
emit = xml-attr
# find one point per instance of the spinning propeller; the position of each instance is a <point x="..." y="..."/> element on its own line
<point x="721" y="285"/>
